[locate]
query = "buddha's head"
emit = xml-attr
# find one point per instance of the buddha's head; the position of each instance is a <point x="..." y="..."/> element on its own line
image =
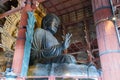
<point x="51" y="23"/>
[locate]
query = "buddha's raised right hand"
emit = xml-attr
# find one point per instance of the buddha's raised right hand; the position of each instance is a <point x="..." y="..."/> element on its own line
<point x="66" y="41"/>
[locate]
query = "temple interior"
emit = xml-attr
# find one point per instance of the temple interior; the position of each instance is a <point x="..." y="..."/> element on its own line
<point x="76" y="16"/>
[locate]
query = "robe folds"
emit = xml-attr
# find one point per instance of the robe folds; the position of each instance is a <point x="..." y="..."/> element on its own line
<point x="47" y="49"/>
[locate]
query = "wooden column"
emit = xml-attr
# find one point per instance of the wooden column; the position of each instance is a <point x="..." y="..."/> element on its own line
<point x="19" y="48"/>
<point x="109" y="48"/>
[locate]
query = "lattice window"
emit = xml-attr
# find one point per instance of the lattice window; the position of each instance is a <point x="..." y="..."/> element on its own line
<point x="72" y="16"/>
<point x="80" y="14"/>
<point x="65" y="18"/>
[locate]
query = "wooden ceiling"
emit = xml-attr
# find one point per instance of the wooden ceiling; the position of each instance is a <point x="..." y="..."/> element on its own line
<point x="60" y="7"/>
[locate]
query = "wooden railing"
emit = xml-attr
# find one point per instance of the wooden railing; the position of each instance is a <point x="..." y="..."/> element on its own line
<point x="54" y="78"/>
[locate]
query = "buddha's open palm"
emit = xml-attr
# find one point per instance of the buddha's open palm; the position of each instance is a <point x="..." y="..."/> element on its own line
<point x="66" y="41"/>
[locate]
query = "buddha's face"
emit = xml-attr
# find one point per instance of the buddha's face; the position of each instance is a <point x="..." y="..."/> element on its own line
<point x="53" y="26"/>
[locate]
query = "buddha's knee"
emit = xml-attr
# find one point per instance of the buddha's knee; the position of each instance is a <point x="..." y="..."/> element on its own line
<point x="64" y="58"/>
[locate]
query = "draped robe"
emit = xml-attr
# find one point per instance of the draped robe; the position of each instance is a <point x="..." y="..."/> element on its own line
<point x="47" y="49"/>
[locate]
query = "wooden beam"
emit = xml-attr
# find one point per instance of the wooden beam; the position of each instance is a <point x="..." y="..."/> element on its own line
<point x="117" y="5"/>
<point x="74" y="10"/>
<point x="10" y="12"/>
<point x="58" y="4"/>
<point x="107" y="41"/>
<point x="40" y="1"/>
<point x="20" y="42"/>
<point x="3" y="1"/>
<point x="66" y="8"/>
<point x="55" y="7"/>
